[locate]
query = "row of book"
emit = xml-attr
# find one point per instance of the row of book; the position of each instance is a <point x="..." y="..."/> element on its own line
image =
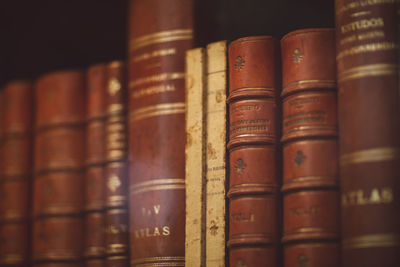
<point x="69" y="144"/>
<point x="64" y="169"/>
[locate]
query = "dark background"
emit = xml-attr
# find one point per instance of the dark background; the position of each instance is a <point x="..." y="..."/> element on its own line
<point x="38" y="36"/>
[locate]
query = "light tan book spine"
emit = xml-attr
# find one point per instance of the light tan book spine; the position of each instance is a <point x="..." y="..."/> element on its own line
<point x="216" y="153"/>
<point x="195" y="158"/>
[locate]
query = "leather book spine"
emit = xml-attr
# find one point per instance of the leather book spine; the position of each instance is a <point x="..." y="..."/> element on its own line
<point x="254" y="205"/>
<point x="95" y="250"/>
<point x="16" y="173"/>
<point x="59" y="166"/>
<point x="195" y="86"/>
<point x="215" y="112"/>
<point x="367" y="42"/>
<point x="157" y="129"/>
<point x="116" y="194"/>
<point x="118" y="261"/>
<point x="311" y="214"/>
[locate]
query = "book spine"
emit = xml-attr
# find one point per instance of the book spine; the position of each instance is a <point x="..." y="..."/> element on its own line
<point x="16" y="173"/>
<point x="95" y="250"/>
<point x="157" y="131"/>
<point x="59" y="165"/>
<point x="311" y="214"/>
<point x="195" y="164"/>
<point x="367" y="41"/>
<point x="216" y="153"/>
<point x="254" y="217"/>
<point x="117" y="219"/>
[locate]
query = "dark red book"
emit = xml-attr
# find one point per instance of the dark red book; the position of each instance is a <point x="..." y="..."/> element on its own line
<point x="311" y="213"/>
<point x="367" y="42"/>
<point x="15" y="173"/>
<point x="117" y="219"/>
<point x="254" y="205"/>
<point x="157" y="129"/>
<point x="58" y="196"/>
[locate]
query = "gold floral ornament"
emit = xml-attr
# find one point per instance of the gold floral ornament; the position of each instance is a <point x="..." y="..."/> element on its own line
<point x="239" y="64"/>
<point x="297" y="56"/>
<point x="113" y="183"/>
<point x="240" y="166"/>
<point x="114" y="86"/>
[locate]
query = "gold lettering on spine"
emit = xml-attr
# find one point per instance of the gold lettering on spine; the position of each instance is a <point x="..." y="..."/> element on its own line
<point x="364" y="24"/>
<point x="161" y="37"/>
<point x="368" y="71"/>
<point x="367" y="48"/>
<point x="372" y="241"/>
<point x="364" y="3"/>
<point x="361" y="197"/>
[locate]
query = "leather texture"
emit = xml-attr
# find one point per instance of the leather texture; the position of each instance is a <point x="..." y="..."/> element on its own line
<point x="254" y="131"/>
<point x="311" y="211"/>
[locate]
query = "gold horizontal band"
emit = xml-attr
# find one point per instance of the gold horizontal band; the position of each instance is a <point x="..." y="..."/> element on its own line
<point x="157" y="182"/>
<point x="162" y="77"/>
<point x="372" y="241"/>
<point x="372" y="70"/>
<point x="156" y="110"/>
<point x="160" y="264"/>
<point x="117" y="258"/>
<point x="12" y="259"/>
<point x="117" y="211"/>
<point x="157" y="188"/>
<point x="117" y="246"/>
<point x="115" y="64"/>
<point x="114" y="108"/>
<point x="157" y="260"/>
<point x="371" y="155"/>
<point x="161" y="37"/>
<point x="359" y="14"/>
<point x="333" y="82"/>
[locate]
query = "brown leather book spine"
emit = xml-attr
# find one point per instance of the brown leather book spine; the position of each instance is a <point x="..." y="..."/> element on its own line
<point x="254" y="86"/>
<point x="157" y="129"/>
<point x="116" y="191"/>
<point x="311" y="213"/>
<point x="367" y="41"/>
<point x="59" y="165"/>
<point x="16" y="173"/>
<point x="95" y="245"/>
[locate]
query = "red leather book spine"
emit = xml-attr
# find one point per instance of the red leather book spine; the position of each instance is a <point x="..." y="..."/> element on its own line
<point x="95" y="245"/>
<point x="157" y="129"/>
<point x="254" y="85"/>
<point x="117" y="219"/>
<point x="311" y="213"/>
<point x="16" y="173"/>
<point x="367" y="41"/>
<point x="59" y="165"/>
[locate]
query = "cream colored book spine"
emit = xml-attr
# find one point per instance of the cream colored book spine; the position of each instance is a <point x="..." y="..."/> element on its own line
<point x="216" y="153"/>
<point x="195" y="158"/>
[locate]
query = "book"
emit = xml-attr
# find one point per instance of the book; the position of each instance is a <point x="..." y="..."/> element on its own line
<point x="367" y="41"/>
<point x="156" y="129"/>
<point x="195" y="148"/>
<point x="206" y="86"/>
<point x="95" y="245"/>
<point x="116" y="141"/>
<point x="59" y="165"/>
<point x="311" y="213"/>
<point x="16" y="172"/>
<point x="216" y="113"/>
<point x="254" y="160"/>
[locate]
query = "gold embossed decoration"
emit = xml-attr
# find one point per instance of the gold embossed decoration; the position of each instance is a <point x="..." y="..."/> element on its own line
<point x="302" y="261"/>
<point x="240" y="166"/>
<point x="114" y="86"/>
<point x="239" y="64"/>
<point x="240" y="263"/>
<point x="297" y="56"/>
<point x="113" y="183"/>
<point x="300" y="158"/>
